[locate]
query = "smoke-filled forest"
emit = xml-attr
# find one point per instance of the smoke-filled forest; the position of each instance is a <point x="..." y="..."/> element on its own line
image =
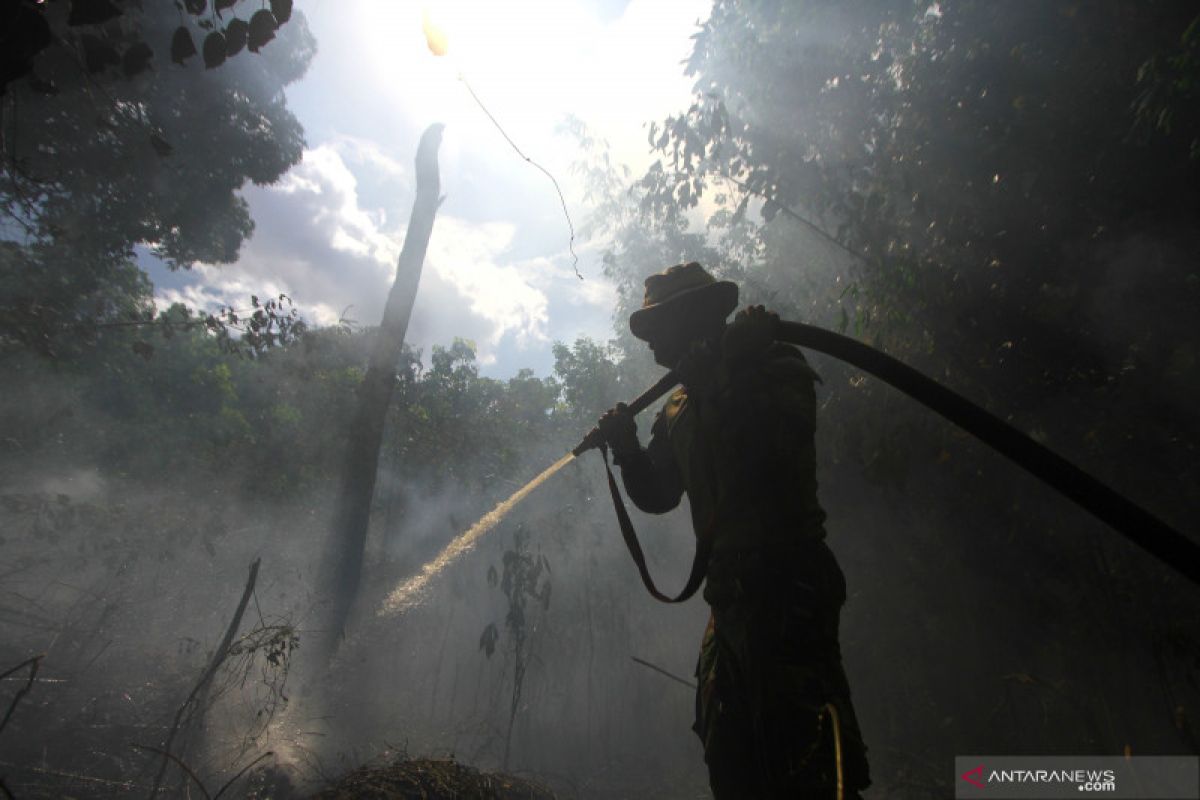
<point x="228" y="464"/>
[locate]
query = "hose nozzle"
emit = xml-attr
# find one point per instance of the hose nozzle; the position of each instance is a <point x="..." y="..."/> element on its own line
<point x="595" y="438"/>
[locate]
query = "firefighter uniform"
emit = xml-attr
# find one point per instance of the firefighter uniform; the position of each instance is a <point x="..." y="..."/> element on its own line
<point x="773" y="705"/>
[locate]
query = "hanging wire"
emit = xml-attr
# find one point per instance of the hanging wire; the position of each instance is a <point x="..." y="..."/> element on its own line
<point x="507" y="138"/>
<point x="787" y="211"/>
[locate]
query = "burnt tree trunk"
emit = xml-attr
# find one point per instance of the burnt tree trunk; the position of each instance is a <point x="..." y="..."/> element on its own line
<point x="353" y="510"/>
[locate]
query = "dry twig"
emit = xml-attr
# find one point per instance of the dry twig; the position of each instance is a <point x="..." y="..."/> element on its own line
<point x="662" y="671"/>
<point x="33" y="664"/>
<point x="205" y="679"/>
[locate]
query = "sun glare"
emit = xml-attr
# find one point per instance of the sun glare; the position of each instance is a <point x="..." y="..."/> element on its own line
<point x="531" y="63"/>
<point x="513" y="37"/>
<point x="524" y="58"/>
<point x="435" y="36"/>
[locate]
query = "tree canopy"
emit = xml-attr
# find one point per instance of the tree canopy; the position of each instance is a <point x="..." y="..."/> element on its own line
<point x="978" y="160"/>
<point x="109" y="144"/>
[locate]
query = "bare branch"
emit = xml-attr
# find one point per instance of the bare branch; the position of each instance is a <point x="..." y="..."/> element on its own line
<point x="205" y="679"/>
<point x="121" y="785"/>
<point x="662" y="671"/>
<point x="33" y="664"/>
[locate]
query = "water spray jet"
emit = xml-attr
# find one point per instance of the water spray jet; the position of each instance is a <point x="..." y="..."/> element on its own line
<point x="410" y="593"/>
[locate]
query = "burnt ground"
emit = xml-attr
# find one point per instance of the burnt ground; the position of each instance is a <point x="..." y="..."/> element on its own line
<point x="430" y="779"/>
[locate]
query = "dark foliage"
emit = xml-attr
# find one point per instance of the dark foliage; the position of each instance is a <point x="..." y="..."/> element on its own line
<point x="69" y="139"/>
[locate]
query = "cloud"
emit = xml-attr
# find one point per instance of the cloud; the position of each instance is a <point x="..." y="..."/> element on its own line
<point x="467" y="257"/>
<point x="313" y="241"/>
<point x="498" y="271"/>
<point x="318" y="242"/>
<point x="327" y="194"/>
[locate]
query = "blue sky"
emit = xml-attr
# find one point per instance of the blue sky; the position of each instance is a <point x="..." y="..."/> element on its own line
<point x="498" y="269"/>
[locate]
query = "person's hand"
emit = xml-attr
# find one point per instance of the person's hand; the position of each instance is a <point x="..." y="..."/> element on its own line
<point x="750" y="334"/>
<point x="619" y="431"/>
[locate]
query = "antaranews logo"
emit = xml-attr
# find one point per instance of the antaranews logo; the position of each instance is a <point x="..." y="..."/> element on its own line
<point x="1065" y="776"/>
<point x="1084" y="780"/>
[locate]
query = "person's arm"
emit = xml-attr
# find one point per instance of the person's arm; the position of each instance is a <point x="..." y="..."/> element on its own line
<point x="650" y="475"/>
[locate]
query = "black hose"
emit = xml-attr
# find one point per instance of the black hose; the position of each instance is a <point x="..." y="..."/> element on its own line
<point x="1126" y="517"/>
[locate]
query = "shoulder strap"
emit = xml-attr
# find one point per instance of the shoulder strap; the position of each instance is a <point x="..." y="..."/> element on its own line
<point x="699" y="562"/>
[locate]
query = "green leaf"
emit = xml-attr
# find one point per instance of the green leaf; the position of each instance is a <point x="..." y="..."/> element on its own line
<point x="160" y="145"/>
<point x="236" y="34"/>
<point x="182" y="46"/>
<point x="214" y="50"/>
<point x="262" y="29"/>
<point x="282" y="9"/>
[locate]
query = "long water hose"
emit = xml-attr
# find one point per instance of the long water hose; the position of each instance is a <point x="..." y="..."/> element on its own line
<point x="1125" y="516"/>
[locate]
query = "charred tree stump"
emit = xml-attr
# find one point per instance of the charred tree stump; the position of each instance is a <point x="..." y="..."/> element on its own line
<point x="353" y="510"/>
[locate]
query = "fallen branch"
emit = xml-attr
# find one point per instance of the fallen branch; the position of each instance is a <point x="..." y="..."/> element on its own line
<point x="662" y="671"/>
<point x="33" y="664"/>
<point x="124" y="785"/>
<point x="205" y="679"/>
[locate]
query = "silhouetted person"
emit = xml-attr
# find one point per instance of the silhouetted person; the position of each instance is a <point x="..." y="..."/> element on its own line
<point x="737" y="437"/>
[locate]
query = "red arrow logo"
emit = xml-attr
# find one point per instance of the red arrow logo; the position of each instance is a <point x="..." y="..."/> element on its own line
<point x="966" y="776"/>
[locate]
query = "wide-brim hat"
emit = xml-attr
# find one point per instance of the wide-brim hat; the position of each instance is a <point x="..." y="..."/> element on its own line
<point x="682" y="287"/>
